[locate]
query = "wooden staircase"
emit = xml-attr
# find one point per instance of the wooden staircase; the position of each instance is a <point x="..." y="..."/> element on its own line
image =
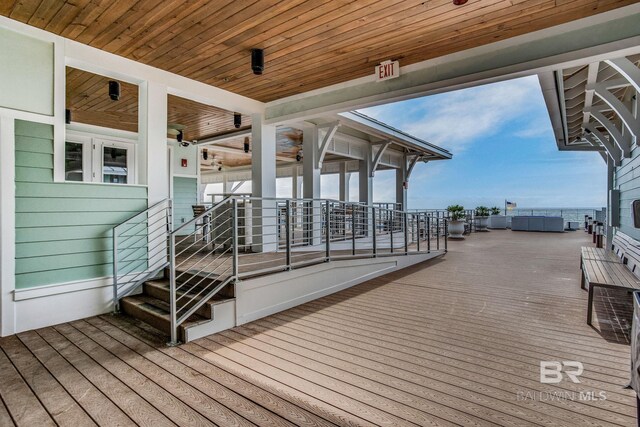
<point x="152" y="307"/>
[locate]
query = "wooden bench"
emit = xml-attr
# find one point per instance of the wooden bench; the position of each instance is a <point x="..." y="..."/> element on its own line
<point x="610" y="269"/>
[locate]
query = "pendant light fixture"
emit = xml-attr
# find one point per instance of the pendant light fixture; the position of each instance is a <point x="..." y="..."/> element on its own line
<point x="257" y="61"/>
<point x="114" y="90"/>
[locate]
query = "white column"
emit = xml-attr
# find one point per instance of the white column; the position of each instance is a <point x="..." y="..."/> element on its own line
<point x="296" y="183"/>
<point x="401" y="191"/>
<point x="365" y="186"/>
<point x="153" y="156"/>
<point x="365" y="180"/>
<point x="344" y="182"/>
<point x="227" y="186"/>
<point x="311" y="188"/>
<point x="263" y="184"/>
<point x="7" y="225"/>
<point x="152" y="148"/>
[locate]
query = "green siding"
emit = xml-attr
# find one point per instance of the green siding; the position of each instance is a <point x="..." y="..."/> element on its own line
<point x="63" y="230"/>
<point x="185" y="195"/>
<point x="627" y="180"/>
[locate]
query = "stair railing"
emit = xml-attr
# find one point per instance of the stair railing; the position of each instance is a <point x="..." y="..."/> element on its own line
<point x="140" y="248"/>
<point x="202" y="260"/>
<point x="243" y="236"/>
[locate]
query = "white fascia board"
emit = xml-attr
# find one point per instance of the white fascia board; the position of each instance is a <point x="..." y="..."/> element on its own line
<point x="565" y="45"/>
<point x="385" y="132"/>
<point x="97" y="61"/>
<point x="87" y="58"/>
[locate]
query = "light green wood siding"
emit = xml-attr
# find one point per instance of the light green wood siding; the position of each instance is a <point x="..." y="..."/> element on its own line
<point x="627" y="180"/>
<point x="185" y="195"/>
<point x="63" y="230"/>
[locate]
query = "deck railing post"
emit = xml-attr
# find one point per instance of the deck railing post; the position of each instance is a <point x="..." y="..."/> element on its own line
<point x="390" y="221"/>
<point x="353" y="229"/>
<point x="116" y="305"/>
<point x="172" y="290"/>
<point x="287" y="224"/>
<point x="446" y="234"/>
<point x="406" y="232"/>
<point x="428" y="219"/>
<point x="373" y="232"/>
<point x="438" y="234"/>
<point x="234" y="231"/>
<point x="328" y="231"/>
<point x="418" y="230"/>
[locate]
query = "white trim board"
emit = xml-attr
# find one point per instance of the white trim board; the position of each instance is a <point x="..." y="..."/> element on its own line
<point x="571" y="44"/>
<point x="7" y="225"/>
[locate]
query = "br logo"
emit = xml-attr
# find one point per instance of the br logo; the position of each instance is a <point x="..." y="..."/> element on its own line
<point x="551" y="372"/>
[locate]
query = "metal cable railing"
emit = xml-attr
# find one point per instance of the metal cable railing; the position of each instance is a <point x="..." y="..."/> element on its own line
<point x="243" y="236"/>
<point x="140" y="249"/>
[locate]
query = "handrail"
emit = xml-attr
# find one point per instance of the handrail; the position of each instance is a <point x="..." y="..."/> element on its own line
<point x="143" y="212"/>
<point x="139" y="256"/>
<point x="218" y="247"/>
<point x="199" y="217"/>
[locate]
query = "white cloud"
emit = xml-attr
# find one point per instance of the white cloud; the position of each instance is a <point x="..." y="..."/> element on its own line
<point x="456" y="119"/>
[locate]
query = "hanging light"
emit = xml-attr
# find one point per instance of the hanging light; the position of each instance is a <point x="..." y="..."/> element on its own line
<point x="67" y="116"/>
<point x="246" y="144"/>
<point x="257" y="61"/>
<point x="237" y="120"/>
<point x="459" y="2"/>
<point x="205" y="154"/>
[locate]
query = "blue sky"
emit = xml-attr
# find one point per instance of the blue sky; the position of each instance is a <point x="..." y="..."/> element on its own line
<point x="503" y="147"/>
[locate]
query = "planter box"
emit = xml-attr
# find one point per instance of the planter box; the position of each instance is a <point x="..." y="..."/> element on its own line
<point x="498" y="222"/>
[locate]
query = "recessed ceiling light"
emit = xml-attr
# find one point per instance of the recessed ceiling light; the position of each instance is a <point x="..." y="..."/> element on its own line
<point x="459" y="2"/>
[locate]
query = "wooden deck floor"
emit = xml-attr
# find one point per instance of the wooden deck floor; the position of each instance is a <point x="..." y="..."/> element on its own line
<point x="457" y="341"/>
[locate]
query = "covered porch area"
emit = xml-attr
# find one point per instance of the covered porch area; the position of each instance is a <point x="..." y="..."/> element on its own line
<point x="449" y="341"/>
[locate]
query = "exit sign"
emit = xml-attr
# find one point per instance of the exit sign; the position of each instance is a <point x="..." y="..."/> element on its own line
<point x="387" y="70"/>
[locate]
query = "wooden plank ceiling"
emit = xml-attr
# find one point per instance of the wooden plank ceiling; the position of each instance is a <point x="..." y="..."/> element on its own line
<point x="89" y="102"/>
<point x="308" y="43"/>
<point x="230" y="154"/>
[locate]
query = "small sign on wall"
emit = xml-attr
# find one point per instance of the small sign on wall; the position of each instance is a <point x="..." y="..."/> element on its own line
<point x="184" y="163"/>
<point x="387" y="70"/>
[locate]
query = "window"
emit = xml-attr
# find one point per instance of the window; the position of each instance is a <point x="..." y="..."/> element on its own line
<point x="73" y="161"/>
<point x="97" y="160"/>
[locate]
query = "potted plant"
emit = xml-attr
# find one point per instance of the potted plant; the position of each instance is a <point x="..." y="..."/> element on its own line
<point x="482" y="218"/>
<point x="497" y="221"/>
<point x="456" y="221"/>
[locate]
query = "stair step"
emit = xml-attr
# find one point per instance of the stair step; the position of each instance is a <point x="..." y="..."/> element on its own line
<point x="160" y="289"/>
<point x="155" y="312"/>
<point x="193" y="277"/>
